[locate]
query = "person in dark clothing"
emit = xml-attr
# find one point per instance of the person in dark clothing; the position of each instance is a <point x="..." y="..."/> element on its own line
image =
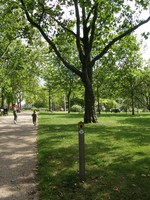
<point x="34" y="117"/>
<point x="15" y="114"/>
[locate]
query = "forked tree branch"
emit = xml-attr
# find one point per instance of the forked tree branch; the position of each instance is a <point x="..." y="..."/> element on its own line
<point x="49" y="41"/>
<point x="107" y="47"/>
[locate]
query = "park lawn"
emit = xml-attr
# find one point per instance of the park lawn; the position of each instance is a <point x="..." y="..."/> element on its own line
<point x="117" y="154"/>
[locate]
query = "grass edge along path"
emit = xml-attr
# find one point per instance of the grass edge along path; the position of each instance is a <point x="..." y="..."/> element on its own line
<point x="117" y="154"/>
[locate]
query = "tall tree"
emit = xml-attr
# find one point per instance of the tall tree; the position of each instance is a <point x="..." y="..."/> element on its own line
<point x="94" y="25"/>
<point x="19" y="71"/>
<point x="59" y="80"/>
<point x="10" y="23"/>
<point x="130" y="67"/>
<point x="143" y="95"/>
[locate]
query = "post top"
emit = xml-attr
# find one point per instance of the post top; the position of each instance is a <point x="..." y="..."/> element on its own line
<point x="80" y="125"/>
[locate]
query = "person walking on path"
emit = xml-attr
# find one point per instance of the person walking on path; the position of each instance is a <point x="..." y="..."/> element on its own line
<point x="18" y="159"/>
<point x="34" y="117"/>
<point x="15" y="113"/>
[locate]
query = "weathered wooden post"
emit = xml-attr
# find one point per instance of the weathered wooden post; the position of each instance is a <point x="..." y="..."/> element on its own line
<point x="81" y="151"/>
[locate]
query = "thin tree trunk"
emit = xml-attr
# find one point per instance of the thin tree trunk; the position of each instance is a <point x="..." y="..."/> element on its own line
<point x="68" y="100"/>
<point x="64" y="103"/>
<point x="51" y="104"/>
<point x="98" y="102"/>
<point x="49" y="100"/>
<point x="132" y="101"/>
<point x="2" y="101"/>
<point x="133" y="106"/>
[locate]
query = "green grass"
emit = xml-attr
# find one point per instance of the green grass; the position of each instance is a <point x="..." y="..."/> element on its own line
<point x="117" y="154"/>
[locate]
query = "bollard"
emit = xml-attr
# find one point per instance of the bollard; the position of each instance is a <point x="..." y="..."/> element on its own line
<point x="81" y="151"/>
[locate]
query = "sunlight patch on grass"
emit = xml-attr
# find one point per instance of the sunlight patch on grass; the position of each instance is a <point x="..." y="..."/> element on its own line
<point x="116" y="152"/>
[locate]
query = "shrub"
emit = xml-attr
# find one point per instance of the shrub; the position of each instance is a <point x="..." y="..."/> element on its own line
<point x="76" y="108"/>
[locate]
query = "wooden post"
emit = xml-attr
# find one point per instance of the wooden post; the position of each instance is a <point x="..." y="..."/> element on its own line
<point x="81" y="151"/>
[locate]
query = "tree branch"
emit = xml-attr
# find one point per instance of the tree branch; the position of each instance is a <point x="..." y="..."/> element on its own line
<point x="107" y="47"/>
<point x="65" y="28"/>
<point x="93" y="25"/>
<point x="5" y="50"/>
<point x="43" y="10"/>
<point x="78" y="30"/>
<point x="49" y="41"/>
<point x="88" y="17"/>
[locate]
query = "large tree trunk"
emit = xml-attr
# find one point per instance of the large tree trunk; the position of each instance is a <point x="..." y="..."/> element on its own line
<point x="89" y="99"/>
<point x="90" y="113"/>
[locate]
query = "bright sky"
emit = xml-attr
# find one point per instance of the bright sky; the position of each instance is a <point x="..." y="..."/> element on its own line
<point x="145" y="48"/>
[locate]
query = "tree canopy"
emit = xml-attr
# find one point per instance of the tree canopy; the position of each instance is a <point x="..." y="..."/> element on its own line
<point x="80" y="33"/>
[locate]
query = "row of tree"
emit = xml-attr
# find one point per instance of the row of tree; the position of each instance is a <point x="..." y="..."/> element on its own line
<point x="89" y="52"/>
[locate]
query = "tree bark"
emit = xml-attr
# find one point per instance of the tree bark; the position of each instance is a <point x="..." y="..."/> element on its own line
<point x="49" y="100"/>
<point x="98" y="100"/>
<point x="132" y="100"/>
<point x="68" y="100"/>
<point x="90" y="112"/>
<point x="89" y="98"/>
<point x="2" y="100"/>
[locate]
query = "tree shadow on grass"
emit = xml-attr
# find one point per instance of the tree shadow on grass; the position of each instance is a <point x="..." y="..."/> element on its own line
<point x="123" y="114"/>
<point x="117" y="164"/>
<point x="62" y="114"/>
<point x="137" y="121"/>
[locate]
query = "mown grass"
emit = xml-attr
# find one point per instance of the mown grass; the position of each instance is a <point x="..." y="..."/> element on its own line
<point x="117" y="154"/>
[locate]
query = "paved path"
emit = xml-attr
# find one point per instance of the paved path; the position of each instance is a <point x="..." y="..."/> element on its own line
<point x="18" y="158"/>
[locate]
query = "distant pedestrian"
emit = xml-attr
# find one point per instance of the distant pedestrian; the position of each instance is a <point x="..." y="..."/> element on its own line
<point x="34" y="116"/>
<point x="15" y="113"/>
